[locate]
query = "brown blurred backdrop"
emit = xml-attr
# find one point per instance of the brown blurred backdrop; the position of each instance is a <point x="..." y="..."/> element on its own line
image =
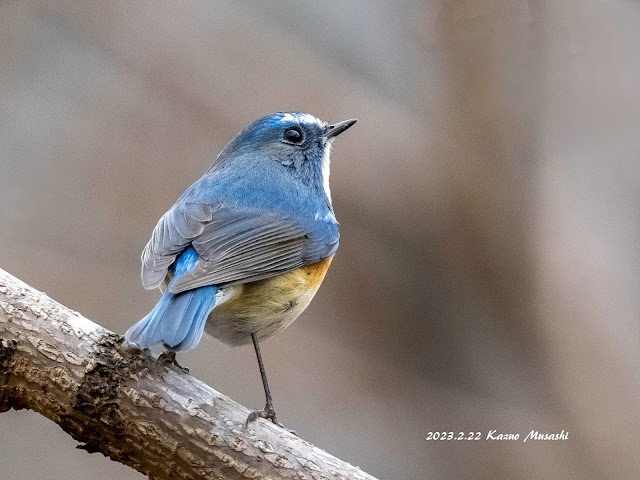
<point x="488" y="271"/>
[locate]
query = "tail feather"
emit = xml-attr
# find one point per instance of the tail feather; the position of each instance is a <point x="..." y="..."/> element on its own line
<point x="177" y="321"/>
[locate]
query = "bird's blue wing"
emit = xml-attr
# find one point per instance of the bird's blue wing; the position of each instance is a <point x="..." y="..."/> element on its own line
<point x="235" y="243"/>
<point x="243" y="246"/>
<point x="174" y="232"/>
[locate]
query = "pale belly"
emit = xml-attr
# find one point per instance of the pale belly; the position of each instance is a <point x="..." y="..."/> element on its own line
<point x="264" y="307"/>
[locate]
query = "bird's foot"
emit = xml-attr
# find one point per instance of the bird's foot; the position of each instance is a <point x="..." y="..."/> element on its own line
<point x="168" y="358"/>
<point x="268" y="413"/>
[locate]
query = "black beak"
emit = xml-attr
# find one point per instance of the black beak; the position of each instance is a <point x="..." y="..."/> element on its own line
<point x="337" y="128"/>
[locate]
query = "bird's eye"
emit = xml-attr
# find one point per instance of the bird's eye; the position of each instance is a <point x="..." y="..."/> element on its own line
<point x="293" y="135"/>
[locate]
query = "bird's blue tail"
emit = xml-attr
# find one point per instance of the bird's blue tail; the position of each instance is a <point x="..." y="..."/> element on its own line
<point x="177" y="321"/>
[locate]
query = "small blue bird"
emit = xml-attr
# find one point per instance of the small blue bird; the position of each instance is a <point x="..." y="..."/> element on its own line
<point x="245" y="248"/>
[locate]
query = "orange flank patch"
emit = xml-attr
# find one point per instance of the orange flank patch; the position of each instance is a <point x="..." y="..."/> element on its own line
<point x="266" y="306"/>
<point x="315" y="272"/>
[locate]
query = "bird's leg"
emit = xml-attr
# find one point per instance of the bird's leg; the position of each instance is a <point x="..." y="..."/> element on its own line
<point x="269" y="411"/>
<point x="168" y="357"/>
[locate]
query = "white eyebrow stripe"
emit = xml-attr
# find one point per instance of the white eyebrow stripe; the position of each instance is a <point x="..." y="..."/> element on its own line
<point x="287" y="117"/>
<point x="302" y="118"/>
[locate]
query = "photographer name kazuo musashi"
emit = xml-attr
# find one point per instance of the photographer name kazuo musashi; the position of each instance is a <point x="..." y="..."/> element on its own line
<point x="532" y="435"/>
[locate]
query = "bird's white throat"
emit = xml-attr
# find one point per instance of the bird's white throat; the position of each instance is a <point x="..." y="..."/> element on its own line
<point x="326" y="166"/>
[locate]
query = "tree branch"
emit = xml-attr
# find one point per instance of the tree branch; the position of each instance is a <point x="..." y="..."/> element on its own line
<point x="115" y="400"/>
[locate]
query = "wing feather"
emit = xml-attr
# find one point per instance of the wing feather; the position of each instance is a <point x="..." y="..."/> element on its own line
<point x="233" y="244"/>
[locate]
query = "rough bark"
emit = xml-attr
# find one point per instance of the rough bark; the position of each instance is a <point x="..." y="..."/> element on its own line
<point x="114" y="399"/>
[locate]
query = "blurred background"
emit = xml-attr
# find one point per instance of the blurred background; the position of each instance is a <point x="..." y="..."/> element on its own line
<point x="488" y="272"/>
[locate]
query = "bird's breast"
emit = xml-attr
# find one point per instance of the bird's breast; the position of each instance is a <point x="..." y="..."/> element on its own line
<point x="266" y="306"/>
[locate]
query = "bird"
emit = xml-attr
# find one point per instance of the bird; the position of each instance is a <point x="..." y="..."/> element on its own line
<point x="243" y="251"/>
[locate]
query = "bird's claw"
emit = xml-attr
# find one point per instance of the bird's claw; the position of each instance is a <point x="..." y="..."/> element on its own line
<point x="268" y="413"/>
<point x="169" y="358"/>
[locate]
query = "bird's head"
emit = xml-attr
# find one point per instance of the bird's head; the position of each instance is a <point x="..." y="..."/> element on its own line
<point x="299" y="142"/>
